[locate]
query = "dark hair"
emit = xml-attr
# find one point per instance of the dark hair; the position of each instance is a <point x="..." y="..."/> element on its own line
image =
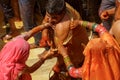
<point x="55" y="6"/>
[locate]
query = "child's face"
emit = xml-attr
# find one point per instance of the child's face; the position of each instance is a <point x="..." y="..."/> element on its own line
<point x="53" y="18"/>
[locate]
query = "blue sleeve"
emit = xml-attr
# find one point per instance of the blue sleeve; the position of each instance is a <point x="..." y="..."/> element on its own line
<point x="107" y="4"/>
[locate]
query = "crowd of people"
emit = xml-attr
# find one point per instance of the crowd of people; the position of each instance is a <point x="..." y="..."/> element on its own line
<point x="63" y="33"/>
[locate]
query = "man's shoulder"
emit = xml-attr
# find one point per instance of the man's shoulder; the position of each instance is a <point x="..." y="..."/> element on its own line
<point x="72" y="12"/>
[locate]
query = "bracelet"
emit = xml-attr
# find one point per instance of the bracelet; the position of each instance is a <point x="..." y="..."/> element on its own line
<point x="100" y="29"/>
<point x="68" y="63"/>
<point x="67" y="60"/>
<point x="69" y="67"/>
<point x="84" y="23"/>
<point x="94" y="26"/>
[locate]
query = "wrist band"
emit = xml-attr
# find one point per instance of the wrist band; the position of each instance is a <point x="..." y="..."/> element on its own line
<point x="94" y="26"/>
<point x="84" y="23"/>
<point x="69" y="67"/>
<point x="67" y="60"/>
<point x="100" y="29"/>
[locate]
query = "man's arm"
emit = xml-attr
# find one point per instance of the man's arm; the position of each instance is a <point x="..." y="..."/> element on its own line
<point x="74" y="72"/>
<point x="38" y="28"/>
<point x="90" y="25"/>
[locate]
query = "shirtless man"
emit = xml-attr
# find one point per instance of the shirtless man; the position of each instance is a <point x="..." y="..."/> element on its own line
<point x="63" y="25"/>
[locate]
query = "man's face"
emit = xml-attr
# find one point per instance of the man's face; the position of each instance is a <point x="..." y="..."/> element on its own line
<point x="53" y="18"/>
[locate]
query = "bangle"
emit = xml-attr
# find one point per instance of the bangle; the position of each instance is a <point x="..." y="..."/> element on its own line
<point x="94" y="26"/>
<point x="68" y="63"/>
<point x="69" y="67"/>
<point x="84" y="23"/>
<point x="67" y="60"/>
<point x="100" y="29"/>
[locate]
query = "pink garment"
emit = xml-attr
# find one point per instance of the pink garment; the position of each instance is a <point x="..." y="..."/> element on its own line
<point x="12" y="59"/>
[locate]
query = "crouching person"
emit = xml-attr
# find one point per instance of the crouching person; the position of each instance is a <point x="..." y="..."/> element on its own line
<point x="12" y="60"/>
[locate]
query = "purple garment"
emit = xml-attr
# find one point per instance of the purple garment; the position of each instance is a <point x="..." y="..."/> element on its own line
<point x="107" y="4"/>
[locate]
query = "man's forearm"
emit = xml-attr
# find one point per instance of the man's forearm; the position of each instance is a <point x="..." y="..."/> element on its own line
<point x="39" y="28"/>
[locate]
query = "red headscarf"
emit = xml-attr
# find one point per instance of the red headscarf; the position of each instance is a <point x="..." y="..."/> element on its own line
<point x="12" y="59"/>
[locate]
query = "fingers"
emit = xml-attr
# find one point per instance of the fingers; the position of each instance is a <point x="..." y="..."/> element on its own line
<point x="104" y="15"/>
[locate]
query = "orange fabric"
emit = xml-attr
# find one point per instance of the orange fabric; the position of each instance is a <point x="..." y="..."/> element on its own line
<point x="102" y="59"/>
